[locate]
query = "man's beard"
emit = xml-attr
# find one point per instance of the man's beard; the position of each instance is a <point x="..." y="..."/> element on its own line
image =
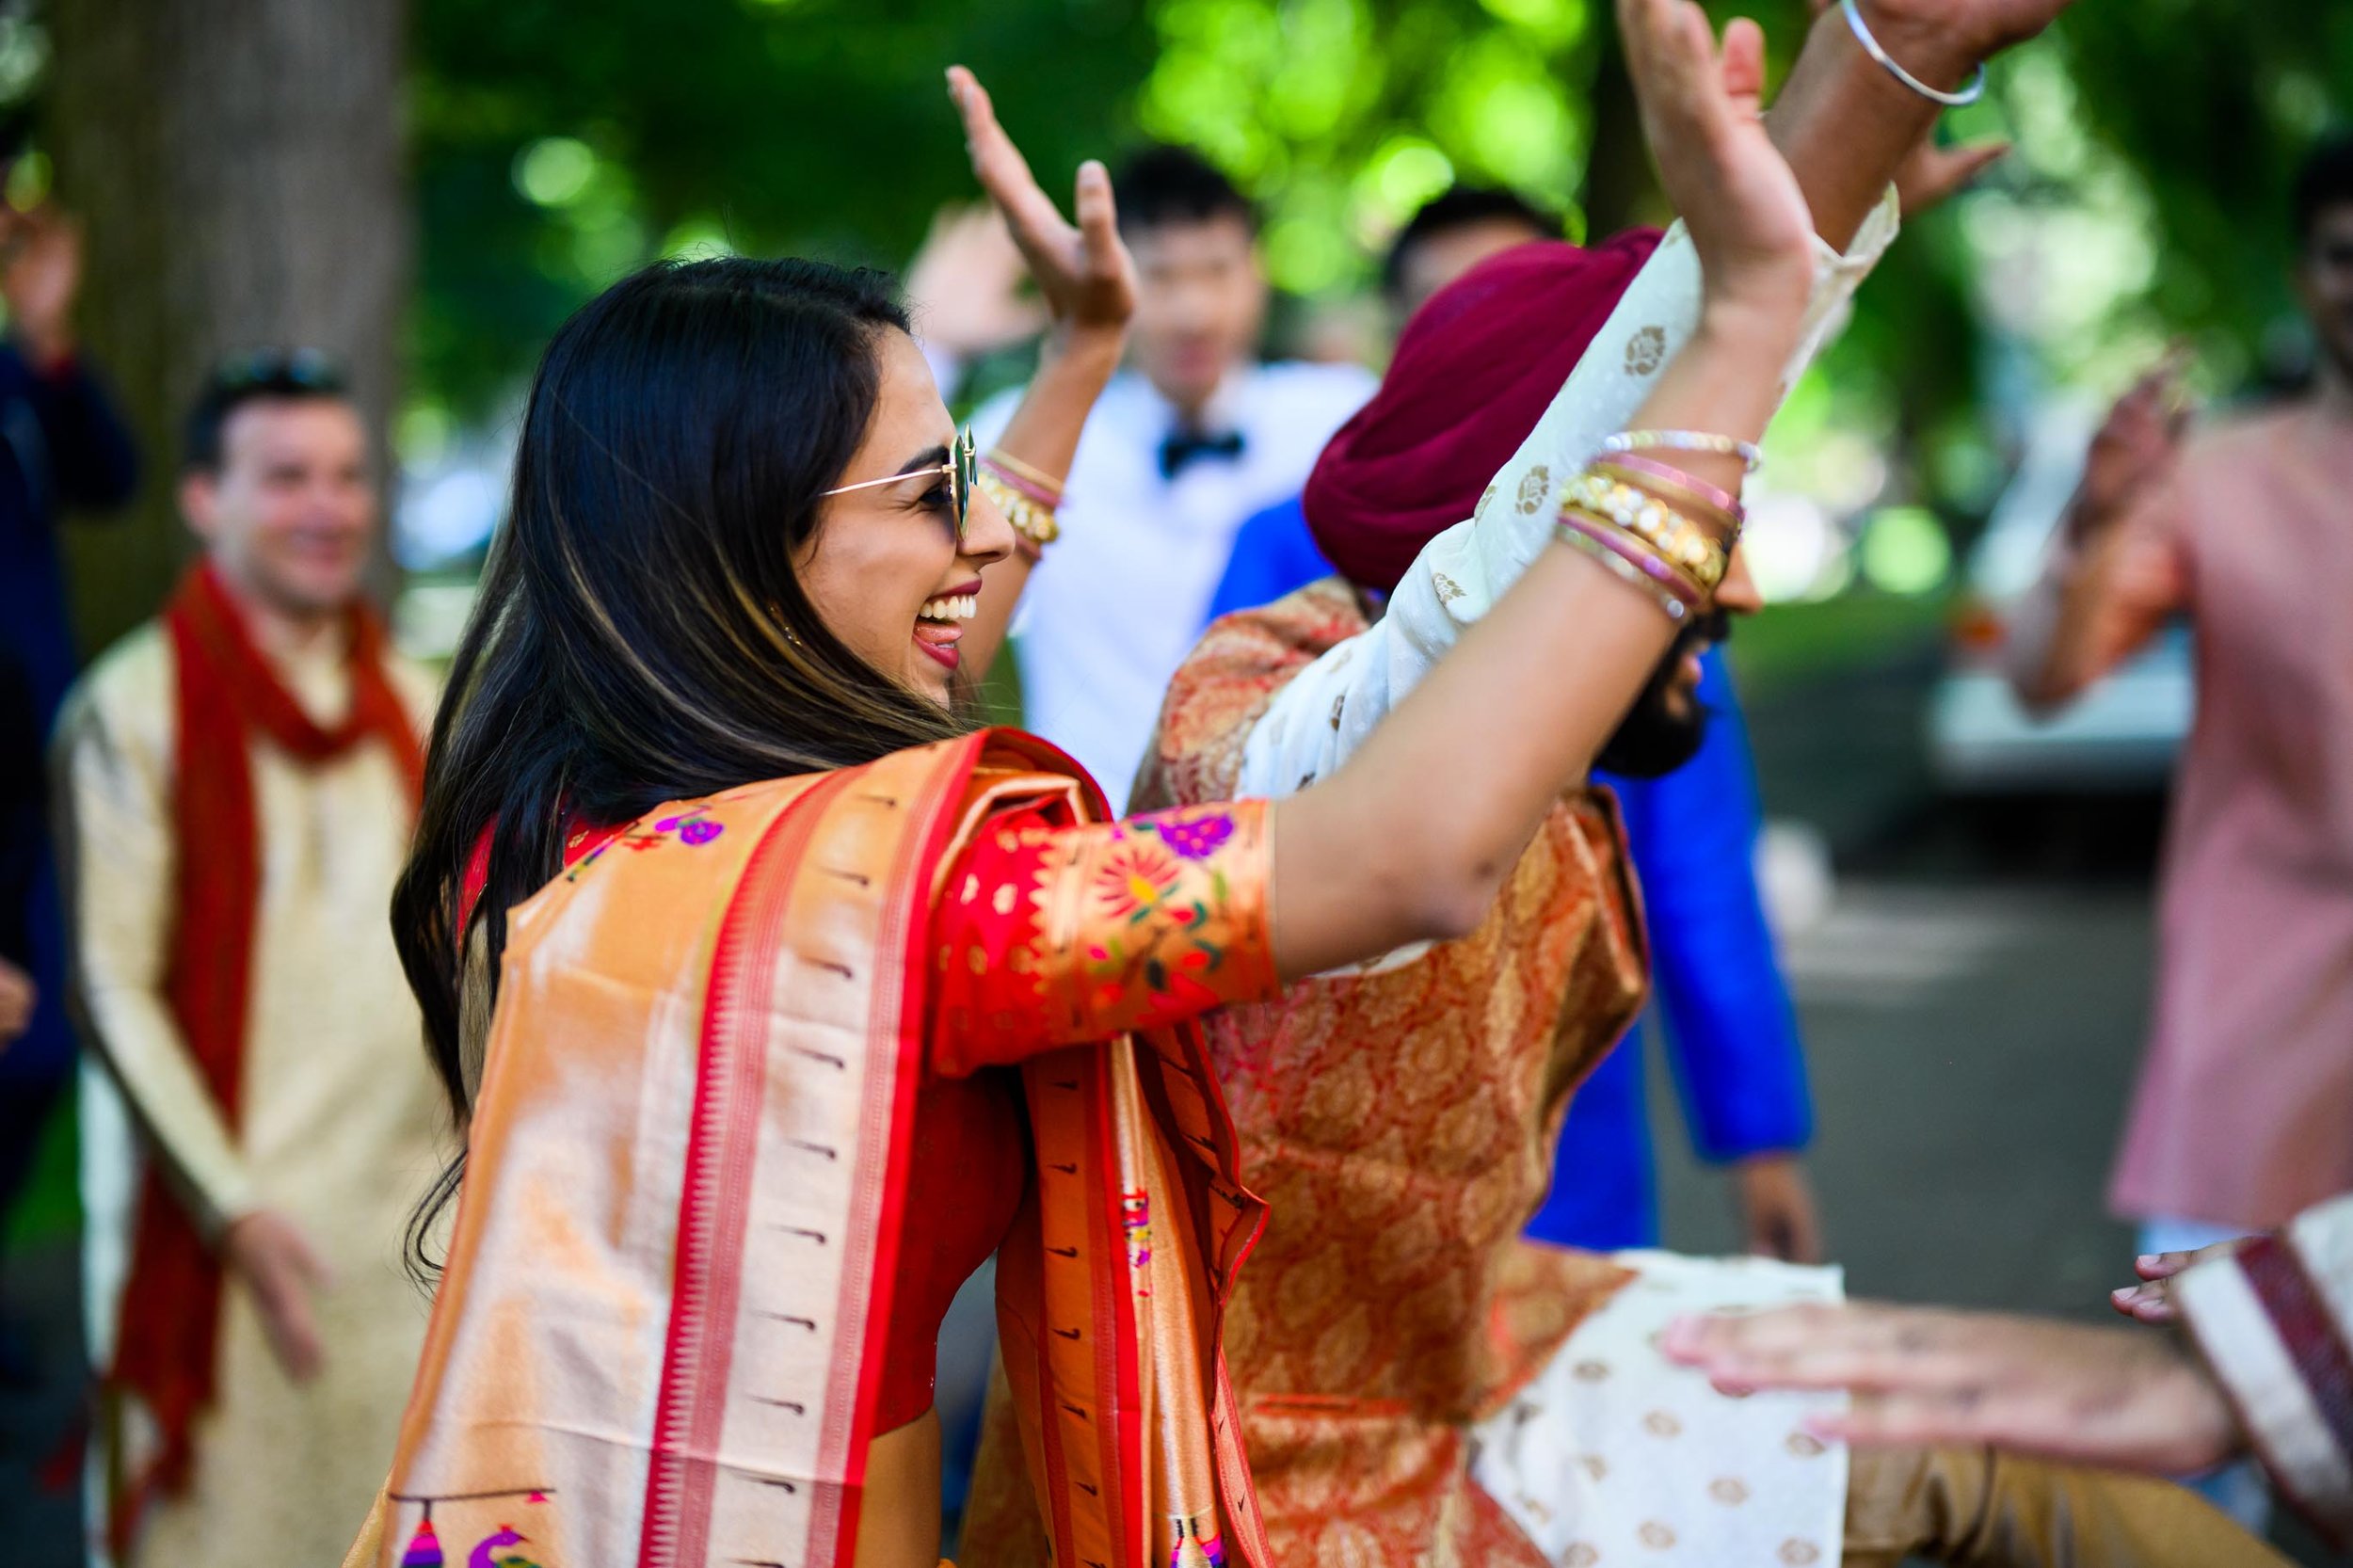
<point x="1664" y="729"/>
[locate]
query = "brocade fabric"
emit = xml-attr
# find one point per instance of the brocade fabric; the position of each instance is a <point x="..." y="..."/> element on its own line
<point x="1399" y="1125"/>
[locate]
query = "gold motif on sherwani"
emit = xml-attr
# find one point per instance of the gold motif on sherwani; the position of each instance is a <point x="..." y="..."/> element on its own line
<point x="1532" y="486"/>
<point x="1645" y="351"/>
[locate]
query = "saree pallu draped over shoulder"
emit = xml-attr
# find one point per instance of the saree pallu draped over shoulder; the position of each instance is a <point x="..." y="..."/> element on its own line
<point x="659" y="1338"/>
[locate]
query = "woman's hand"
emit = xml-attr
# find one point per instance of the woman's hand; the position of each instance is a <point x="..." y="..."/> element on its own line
<point x="1083" y="273"/>
<point x="1733" y="190"/>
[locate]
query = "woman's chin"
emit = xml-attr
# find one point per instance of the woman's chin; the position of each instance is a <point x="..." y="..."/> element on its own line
<point x="931" y="683"/>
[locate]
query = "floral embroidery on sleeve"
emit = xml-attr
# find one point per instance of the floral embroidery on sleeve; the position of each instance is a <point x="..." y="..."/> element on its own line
<point x="1050" y="936"/>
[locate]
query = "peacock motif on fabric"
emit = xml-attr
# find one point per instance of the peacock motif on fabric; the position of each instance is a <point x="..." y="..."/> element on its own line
<point x="487" y="1550"/>
<point x="494" y="1550"/>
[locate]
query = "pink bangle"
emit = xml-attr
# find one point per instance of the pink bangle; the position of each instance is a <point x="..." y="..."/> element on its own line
<point x="1617" y="551"/>
<point x="1722" y="501"/>
<point x="1021" y="485"/>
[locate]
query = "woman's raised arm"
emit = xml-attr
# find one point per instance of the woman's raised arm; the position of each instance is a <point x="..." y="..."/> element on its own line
<point x="1411" y="839"/>
<point x="1088" y="282"/>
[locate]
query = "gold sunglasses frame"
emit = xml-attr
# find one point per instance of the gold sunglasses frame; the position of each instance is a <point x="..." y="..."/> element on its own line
<point x="961" y="468"/>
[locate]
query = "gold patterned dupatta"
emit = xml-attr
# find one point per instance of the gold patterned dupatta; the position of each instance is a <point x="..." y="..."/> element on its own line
<point x="659" y="1335"/>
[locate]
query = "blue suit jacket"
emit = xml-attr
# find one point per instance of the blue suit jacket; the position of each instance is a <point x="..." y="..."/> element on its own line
<point x="1731" y="1032"/>
<point x="60" y="445"/>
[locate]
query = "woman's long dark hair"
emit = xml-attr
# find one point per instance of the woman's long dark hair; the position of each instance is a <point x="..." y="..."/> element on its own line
<point x="641" y="635"/>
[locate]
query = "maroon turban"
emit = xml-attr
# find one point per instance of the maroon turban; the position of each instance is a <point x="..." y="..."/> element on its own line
<point x="1476" y="369"/>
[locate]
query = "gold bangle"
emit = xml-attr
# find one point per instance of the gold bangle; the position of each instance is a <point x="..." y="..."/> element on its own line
<point x="1718" y="522"/>
<point x="1632" y="561"/>
<point x="1026" y="471"/>
<point x="1034" y="522"/>
<point x="1676" y="538"/>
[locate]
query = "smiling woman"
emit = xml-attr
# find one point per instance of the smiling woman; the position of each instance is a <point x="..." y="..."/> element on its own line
<point x="774" y="998"/>
<point x="846" y="580"/>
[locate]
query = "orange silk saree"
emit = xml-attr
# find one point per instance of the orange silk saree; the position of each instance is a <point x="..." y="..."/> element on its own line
<point x="659" y="1336"/>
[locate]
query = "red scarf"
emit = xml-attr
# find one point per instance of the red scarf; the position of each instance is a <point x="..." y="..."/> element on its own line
<point x="228" y="693"/>
<point x="1474" y="371"/>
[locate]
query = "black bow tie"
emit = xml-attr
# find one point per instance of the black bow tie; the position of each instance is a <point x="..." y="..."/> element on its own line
<point x="1180" y="447"/>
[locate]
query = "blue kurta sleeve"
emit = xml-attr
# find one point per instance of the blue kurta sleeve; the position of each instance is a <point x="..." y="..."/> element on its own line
<point x="1275" y="554"/>
<point x="1604" y="1196"/>
<point x="1732" y="1031"/>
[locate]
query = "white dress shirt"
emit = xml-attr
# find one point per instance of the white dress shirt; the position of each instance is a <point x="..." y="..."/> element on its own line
<point x="1119" y="599"/>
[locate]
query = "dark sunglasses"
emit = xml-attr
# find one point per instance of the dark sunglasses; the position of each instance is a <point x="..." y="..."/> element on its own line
<point x="306" y="369"/>
<point x="961" y="469"/>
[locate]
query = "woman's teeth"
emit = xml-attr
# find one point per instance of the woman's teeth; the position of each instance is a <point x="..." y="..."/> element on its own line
<point x="951" y="607"/>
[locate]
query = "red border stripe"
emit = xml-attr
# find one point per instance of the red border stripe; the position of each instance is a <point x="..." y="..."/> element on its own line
<point x="723" y="1137"/>
<point x="2312" y="1337"/>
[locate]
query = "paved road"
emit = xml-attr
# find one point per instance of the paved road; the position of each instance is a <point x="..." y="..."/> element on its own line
<point x="1971" y="1050"/>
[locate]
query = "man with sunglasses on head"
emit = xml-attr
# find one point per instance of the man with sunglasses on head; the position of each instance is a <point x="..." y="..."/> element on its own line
<point x="237" y="781"/>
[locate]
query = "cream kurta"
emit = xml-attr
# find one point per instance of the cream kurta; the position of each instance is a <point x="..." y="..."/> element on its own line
<point x="341" y="1124"/>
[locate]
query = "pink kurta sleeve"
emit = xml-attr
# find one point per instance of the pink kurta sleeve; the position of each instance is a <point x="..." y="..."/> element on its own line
<point x="1052" y="935"/>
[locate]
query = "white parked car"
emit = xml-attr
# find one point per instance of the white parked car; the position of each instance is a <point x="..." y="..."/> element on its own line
<point x="2122" y="734"/>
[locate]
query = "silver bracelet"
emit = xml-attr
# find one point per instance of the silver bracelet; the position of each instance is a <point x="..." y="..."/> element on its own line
<point x="1961" y="100"/>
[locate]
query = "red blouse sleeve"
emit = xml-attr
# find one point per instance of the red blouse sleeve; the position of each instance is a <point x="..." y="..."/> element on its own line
<point x="1048" y="936"/>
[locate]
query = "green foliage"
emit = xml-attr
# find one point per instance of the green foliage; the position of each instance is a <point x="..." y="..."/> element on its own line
<point x="559" y="145"/>
<point x="2208" y="105"/>
<point x="1346" y="115"/>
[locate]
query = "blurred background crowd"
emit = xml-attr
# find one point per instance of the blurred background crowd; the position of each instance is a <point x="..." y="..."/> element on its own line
<point x="1961" y="892"/>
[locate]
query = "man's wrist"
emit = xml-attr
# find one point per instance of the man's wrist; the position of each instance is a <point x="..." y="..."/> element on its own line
<point x="1921" y="36"/>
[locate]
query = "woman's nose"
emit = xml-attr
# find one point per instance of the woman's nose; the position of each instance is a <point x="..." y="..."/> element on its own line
<point x="987" y="536"/>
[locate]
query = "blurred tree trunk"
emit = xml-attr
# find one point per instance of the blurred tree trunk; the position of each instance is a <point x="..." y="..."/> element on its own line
<point x="1621" y="190"/>
<point x="239" y="165"/>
